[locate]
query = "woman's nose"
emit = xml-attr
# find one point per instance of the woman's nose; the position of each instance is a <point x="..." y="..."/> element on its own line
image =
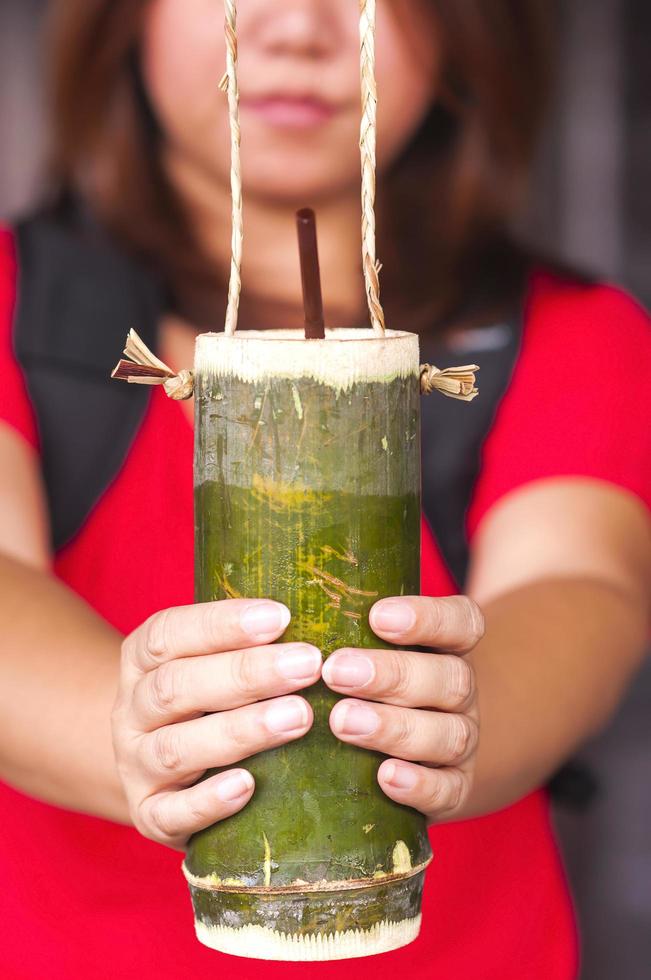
<point x="300" y="27"/>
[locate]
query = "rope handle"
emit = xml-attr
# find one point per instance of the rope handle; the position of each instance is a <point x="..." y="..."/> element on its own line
<point x="367" y="141"/>
<point x="143" y="367"/>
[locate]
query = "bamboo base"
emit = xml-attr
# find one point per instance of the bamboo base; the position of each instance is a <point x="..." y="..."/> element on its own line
<point x="267" y="944"/>
<point x="344" y="920"/>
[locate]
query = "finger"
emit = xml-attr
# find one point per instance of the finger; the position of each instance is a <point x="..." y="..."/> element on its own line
<point x="174" y="753"/>
<point x="190" y="686"/>
<point x="402" y="677"/>
<point x="437" y="793"/>
<point x="410" y="733"/>
<point x="206" y="627"/>
<point x="454" y="623"/>
<point x="171" y="817"/>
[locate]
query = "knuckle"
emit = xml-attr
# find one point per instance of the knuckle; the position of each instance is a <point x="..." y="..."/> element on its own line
<point x="235" y="732"/>
<point x="434" y="616"/>
<point x="157" y="633"/>
<point x="460" y="681"/>
<point x="457" y="790"/>
<point x="245" y="674"/>
<point x="474" y="621"/>
<point x="434" y="797"/>
<point x="157" y="823"/>
<point x="403" y="731"/>
<point x="459" y="737"/>
<point x="166" y="754"/>
<point x="453" y="790"/>
<point x="399" y="677"/>
<point x="163" y="688"/>
<point x="199" y="809"/>
<point x="446" y="791"/>
<point x="209" y="621"/>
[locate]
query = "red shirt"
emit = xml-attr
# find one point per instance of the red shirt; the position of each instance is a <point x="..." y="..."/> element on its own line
<point x="83" y="897"/>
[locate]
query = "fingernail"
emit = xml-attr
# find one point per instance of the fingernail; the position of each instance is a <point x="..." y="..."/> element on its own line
<point x="348" y="670"/>
<point x="393" y="616"/>
<point x="299" y="662"/>
<point x="286" y="716"/>
<point x="264" y="617"/>
<point x="355" y="719"/>
<point x="234" y="784"/>
<point x="402" y="777"/>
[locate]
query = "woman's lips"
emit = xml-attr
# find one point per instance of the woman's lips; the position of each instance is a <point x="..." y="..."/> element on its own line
<point x="290" y="111"/>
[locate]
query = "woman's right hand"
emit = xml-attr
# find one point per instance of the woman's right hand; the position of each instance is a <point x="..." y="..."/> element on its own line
<point x="202" y="687"/>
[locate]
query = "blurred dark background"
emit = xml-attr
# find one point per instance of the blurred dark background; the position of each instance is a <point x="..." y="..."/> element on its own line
<point x="591" y="205"/>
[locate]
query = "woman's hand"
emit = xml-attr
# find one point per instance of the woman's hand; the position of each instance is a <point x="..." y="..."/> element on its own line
<point x="418" y="708"/>
<point x="200" y="687"/>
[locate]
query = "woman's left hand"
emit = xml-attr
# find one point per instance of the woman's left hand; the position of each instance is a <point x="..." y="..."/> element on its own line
<point x="419" y="708"/>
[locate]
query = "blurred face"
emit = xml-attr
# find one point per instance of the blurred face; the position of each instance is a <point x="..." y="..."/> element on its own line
<point x="298" y="71"/>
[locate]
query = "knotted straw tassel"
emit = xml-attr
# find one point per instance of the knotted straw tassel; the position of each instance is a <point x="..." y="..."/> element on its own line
<point x="144" y="368"/>
<point x="455" y="382"/>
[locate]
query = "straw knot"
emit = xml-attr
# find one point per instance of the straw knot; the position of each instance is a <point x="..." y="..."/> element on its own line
<point x="455" y="382"/>
<point x="180" y="386"/>
<point x="144" y="368"/>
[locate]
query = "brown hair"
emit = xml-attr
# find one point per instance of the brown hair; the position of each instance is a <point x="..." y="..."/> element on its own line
<point x="444" y="209"/>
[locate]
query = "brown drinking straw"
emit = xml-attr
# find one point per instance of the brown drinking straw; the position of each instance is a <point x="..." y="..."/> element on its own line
<point x="310" y="276"/>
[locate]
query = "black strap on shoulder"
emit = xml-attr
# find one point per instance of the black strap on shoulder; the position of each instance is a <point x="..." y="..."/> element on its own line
<point x="453" y="433"/>
<point x="78" y="295"/>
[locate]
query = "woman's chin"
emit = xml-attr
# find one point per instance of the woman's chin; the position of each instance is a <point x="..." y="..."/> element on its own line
<point x="285" y="181"/>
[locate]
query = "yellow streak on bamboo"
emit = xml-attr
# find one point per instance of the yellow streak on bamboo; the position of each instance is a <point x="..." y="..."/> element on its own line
<point x="230" y="590"/>
<point x="401" y="858"/>
<point x="338" y="583"/>
<point x="267" y="861"/>
<point x="346" y="556"/>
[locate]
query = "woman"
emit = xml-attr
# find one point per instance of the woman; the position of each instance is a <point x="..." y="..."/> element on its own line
<point x="99" y="752"/>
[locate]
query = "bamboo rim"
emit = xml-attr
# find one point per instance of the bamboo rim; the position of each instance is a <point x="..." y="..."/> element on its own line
<point x="339" y="360"/>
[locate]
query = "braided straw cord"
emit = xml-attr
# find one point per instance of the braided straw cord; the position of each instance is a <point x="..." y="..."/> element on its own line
<point x="229" y="85"/>
<point x="367" y="150"/>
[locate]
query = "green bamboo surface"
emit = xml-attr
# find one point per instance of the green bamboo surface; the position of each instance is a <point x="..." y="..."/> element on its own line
<point x="310" y="496"/>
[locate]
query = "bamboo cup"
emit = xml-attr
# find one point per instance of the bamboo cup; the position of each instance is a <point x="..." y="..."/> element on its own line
<point x="307" y="491"/>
